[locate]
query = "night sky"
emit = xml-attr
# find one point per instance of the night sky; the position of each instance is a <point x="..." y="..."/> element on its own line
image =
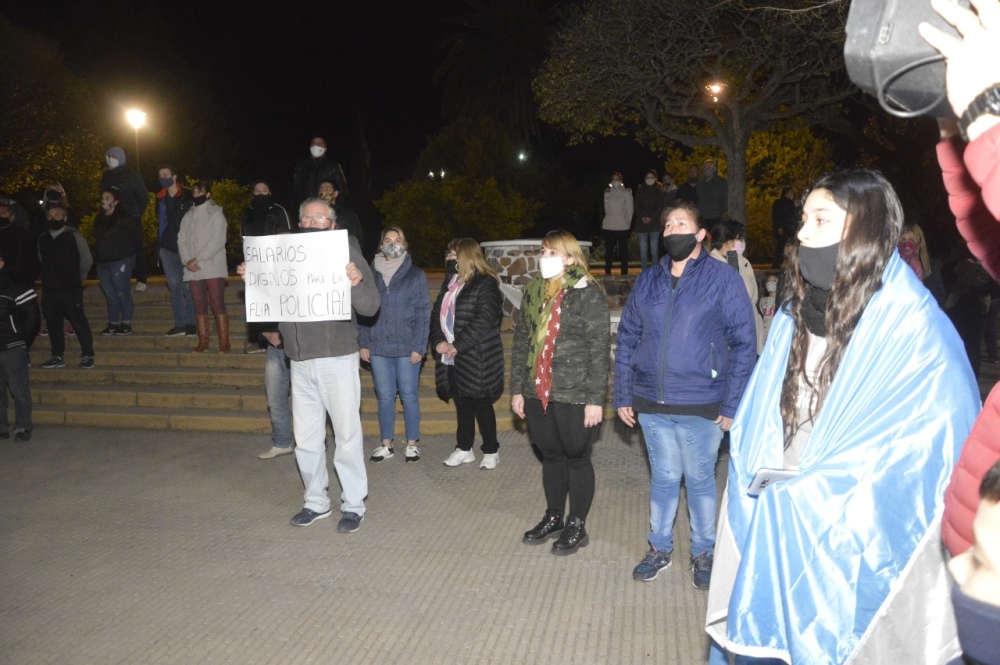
<point x="280" y="71"/>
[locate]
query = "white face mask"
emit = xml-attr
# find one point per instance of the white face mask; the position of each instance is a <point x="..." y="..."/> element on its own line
<point x="551" y="266"/>
<point x="112" y="163"/>
<point x="771" y="287"/>
<point x="650" y="181"/>
<point x="317" y="151"/>
<point x="740" y="247"/>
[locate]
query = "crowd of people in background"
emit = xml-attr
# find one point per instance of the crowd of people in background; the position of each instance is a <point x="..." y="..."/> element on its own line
<point x="848" y="465"/>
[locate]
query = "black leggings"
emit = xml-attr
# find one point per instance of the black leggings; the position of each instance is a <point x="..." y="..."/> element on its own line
<point x="469" y="411"/>
<point x="613" y="239"/>
<point x="566" y="446"/>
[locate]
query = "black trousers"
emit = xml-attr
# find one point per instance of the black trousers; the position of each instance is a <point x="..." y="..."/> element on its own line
<point x="469" y="411"/>
<point x="616" y="241"/>
<point x="58" y="305"/>
<point x="566" y="444"/>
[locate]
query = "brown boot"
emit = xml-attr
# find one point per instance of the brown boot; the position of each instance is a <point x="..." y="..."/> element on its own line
<point x="201" y="323"/>
<point x="222" y="327"/>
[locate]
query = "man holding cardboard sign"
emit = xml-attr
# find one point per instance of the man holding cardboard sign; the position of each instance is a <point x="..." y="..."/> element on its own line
<point x="314" y="287"/>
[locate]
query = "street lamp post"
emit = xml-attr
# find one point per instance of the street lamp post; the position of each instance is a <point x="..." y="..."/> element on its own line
<point x="137" y="119"/>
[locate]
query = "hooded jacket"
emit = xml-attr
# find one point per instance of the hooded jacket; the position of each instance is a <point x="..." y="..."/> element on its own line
<point x="693" y="344"/>
<point x="203" y="236"/>
<point x="131" y="190"/>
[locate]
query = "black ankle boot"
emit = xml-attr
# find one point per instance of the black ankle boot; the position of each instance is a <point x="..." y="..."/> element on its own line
<point x="552" y="522"/>
<point x="573" y="537"/>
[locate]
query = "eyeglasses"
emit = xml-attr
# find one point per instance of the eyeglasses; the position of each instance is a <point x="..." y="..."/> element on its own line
<point x="315" y="219"/>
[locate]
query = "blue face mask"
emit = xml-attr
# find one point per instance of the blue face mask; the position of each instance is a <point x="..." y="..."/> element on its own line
<point x="978" y="627"/>
<point x="166" y="182"/>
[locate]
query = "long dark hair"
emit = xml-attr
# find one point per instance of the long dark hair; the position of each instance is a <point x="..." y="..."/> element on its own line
<point x="871" y="231"/>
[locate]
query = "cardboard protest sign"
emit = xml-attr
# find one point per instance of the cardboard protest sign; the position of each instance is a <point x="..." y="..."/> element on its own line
<point x="297" y="277"/>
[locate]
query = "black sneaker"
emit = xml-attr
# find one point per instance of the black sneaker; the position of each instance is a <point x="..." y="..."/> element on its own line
<point x="53" y="363"/>
<point x="176" y="331"/>
<point x="651" y="565"/>
<point x="86" y="362"/>
<point x="305" y="517"/>
<point x="112" y="329"/>
<point x="123" y="329"/>
<point x="4" y="435"/>
<point x="350" y="523"/>
<point x="22" y="434"/>
<point x="702" y="567"/>
<point x="190" y="331"/>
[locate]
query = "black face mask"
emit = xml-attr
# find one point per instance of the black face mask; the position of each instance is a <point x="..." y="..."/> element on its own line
<point x="819" y="265"/>
<point x="451" y="266"/>
<point x="262" y="200"/>
<point x="53" y="195"/>
<point x="679" y="245"/>
<point x="198" y="200"/>
<point x="56" y="224"/>
<point x="5" y="222"/>
<point x="312" y="229"/>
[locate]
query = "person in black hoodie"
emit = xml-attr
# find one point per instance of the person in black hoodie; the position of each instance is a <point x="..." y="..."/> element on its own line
<point x="263" y="217"/>
<point x="18" y="316"/>
<point x="347" y="219"/>
<point x="134" y="197"/>
<point x="66" y="260"/>
<point x="116" y="237"/>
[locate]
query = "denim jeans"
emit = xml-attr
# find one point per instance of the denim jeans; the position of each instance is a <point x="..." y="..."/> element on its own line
<point x="392" y="375"/>
<point x="14" y="377"/>
<point x="322" y="386"/>
<point x="277" y="385"/>
<point x="116" y="282"/>
<point x="649" y="248"/>
<point x="688" y="447"/>
<point x="180" y="294"/>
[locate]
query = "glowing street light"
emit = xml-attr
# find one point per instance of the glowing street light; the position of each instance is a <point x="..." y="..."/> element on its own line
<point x="137" y="119"/>
<point x="522" y="156"/>
<point x="715" y="90"/>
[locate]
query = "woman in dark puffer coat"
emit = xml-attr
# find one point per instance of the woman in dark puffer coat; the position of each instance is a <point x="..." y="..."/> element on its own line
<point x="465" y="336"/>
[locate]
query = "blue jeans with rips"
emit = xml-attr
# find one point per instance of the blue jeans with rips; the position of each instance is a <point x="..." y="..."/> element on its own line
<point x="277" y="386"/>
<point x="116" y="282"/>
<point x="681" y="447"/>
<point x="391" y="375"/>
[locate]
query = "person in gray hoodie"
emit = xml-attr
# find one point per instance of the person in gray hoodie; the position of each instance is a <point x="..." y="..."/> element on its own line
<point x="134" y="196"/>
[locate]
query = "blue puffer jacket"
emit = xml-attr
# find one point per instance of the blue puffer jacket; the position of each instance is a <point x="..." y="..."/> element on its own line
<point x="402" y="322"/>
<point x="690" y="345"/>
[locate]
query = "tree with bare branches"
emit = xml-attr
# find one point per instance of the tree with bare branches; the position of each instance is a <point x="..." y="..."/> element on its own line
<point x="698" y="73"/>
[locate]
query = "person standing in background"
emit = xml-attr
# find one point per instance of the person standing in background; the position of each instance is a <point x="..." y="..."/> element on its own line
<point x="134" y="196"/>
<point x="648" y="204"/>
<point x="617" y="223"/>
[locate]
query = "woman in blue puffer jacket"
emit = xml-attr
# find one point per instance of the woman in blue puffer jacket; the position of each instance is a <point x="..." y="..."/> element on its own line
<point x="395" y="339"/>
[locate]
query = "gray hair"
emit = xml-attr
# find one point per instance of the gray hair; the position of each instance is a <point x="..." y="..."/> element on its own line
<point x="332" y="215"/>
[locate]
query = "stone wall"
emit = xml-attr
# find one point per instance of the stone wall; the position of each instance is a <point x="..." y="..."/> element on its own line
<point x="516" y="261"/>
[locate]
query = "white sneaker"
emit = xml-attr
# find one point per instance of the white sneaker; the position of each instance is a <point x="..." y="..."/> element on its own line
<point x="490" y="461"/>
<point x="140" y="286"/>
<point x="381" y="453"/>
<point x="276" y="451"/>
<point x="459" y="456"/>
<point x="412" y="453"/>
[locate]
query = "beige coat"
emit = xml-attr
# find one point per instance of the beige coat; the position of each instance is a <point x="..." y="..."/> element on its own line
<point x="203" y="236"/>
<point x="750" y="281"/>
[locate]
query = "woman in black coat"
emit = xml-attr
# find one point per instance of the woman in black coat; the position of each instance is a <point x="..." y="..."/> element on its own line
<point x="465" y="336"/>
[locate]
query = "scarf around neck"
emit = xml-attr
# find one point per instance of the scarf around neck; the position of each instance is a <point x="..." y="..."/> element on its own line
<point x="386" y="267"/>
<point x="543" y="326"/>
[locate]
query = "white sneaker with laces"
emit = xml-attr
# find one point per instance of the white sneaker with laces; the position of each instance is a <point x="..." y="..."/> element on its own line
<point x="412" y="453"/>
<point x="459" y="456"/>
<point x="490" y="461"/>
<point x="382" y="453"/>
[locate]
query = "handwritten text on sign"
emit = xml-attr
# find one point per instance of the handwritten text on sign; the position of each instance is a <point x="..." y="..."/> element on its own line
<point x="298" y="277"/>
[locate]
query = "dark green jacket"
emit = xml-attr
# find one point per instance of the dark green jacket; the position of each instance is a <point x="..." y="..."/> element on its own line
<point x="582" y="356"/>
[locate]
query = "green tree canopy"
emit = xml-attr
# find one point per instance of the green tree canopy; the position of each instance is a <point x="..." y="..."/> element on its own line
<point x="647" y="70"/>
<point x="49" y="122"/>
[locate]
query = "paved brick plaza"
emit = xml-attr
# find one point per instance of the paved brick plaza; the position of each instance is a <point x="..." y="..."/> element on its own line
<point x="120" y="546"/>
